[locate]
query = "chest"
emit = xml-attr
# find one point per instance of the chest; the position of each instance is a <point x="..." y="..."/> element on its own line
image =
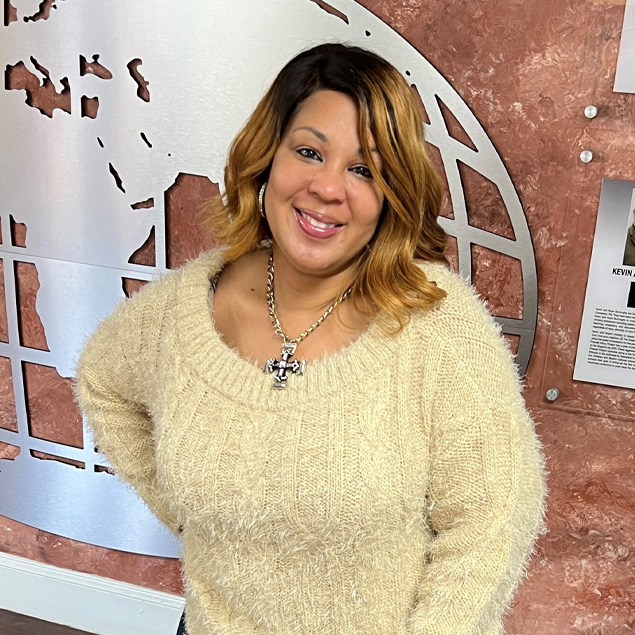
<point x="354" y="460"/>
<point x="245" y="326"/>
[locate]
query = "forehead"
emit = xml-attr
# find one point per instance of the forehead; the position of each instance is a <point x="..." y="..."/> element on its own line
<point x="327" y="104"/>
<point x="332" y="113"/>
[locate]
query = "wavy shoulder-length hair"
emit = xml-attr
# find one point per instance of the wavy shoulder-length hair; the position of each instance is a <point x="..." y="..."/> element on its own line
<point x="387" y="278"/>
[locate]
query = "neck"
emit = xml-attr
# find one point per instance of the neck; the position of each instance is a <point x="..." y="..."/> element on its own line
<point x="301" y="294"/>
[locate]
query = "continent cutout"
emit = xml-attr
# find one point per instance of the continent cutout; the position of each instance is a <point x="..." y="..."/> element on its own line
<point x="513" y="342"/>
<point x="486" y="209"/>
<point x="10" y="13"/>
<point x="51" y="409"/>
<point x="27" y="285"/>
<point x="4" y="325"/>
<point x="43" y="13"/>
<point x="93" y="68"/>
<point x="147" y="204"/>
<point x="115" y="175"/>
<point x="131" y="285"/>
<point x="454" y="128"/>
<point x="185" y="236"/>
<point x="8" y="417"/>
<point x="8" y="452"/>
<point x="330" y="9"/>
<point x="42" y="96"/>
<point x="422" y="108"/>
<point x="36" y="454"/>
<point x="434" y="154"/>
<point x="90" y="106"/>
<point x="495" y="270"/>
<point x="142" y="83"/>
<point x="146" y="254"/>
<point x="452" y="252"/>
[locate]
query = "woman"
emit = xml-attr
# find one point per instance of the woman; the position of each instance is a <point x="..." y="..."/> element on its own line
<point x="629" y="248"/>
<point x="382" y="475"/>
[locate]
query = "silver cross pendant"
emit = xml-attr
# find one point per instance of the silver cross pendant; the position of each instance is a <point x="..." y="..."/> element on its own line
<point x="281" y="366"/>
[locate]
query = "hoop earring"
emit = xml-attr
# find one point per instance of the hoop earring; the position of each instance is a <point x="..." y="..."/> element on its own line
<point x="261" y="200"/>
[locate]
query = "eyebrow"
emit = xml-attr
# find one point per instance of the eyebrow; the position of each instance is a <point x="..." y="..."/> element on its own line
<point x="317" y="133"/>
<point x="322" y="137"/>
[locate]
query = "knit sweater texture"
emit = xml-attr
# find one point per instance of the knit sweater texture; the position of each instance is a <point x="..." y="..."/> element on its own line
<point x="396" y="487"/>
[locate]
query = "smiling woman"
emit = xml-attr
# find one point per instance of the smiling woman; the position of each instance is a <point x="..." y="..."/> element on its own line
<point x="393" y="484"/>
<point x="321" y="201"/>
<point x="374" y="131"/>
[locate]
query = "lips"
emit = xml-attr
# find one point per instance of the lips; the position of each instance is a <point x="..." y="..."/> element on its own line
<point x="317" y="225"/>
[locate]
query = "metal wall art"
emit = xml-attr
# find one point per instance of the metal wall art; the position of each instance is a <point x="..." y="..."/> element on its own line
<point x="148" y="90"/>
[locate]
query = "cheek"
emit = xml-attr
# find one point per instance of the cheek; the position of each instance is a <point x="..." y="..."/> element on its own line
<point x="368" y="201"/>
<point x="274" y="181"/>
<point x="285" y="179"/>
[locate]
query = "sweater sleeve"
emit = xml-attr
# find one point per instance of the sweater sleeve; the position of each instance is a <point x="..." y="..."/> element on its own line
<point x="115" y="373"/>
<point x="486" y="492"/>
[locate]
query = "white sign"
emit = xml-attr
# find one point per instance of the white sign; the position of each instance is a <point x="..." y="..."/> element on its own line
<point x="606" y="348"/>
<point x="625" y="74"/>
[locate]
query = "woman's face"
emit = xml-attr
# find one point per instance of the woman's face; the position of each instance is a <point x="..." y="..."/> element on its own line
<point x="321" y="201"/>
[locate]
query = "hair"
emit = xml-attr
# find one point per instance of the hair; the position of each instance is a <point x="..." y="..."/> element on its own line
<point x="387" y="279"/>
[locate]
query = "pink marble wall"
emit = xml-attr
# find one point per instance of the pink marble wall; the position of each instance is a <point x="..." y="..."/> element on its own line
<point x="30" y="326"/>
<point x="147" y="571"/>
<point x="527" y="70"/>
<point x="8" y="418"/>
<point x="4" y="329"/>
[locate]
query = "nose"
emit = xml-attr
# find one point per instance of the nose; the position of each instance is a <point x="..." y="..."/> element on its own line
<point x="329" y="184"/>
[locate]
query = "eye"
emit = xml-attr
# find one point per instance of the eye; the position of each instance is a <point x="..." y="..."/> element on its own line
<point x="363" y="171"/>
<point x="308" y="153"/>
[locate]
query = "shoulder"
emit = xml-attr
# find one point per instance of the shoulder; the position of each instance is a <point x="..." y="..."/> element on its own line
<point x="461" y="325"/>
<point x="138" y="320"/>
<point x="461" y="311"/>
<point x="158" y="299"/>
<point x="205" y="266"/>
<point x="200" y="270"/>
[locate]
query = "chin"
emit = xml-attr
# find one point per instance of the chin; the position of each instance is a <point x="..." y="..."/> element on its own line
<point x="321" y="263"/>
<point x="318" y="257"/>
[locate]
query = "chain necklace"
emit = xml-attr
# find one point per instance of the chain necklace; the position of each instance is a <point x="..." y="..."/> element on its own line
<point x="281" y="366"/>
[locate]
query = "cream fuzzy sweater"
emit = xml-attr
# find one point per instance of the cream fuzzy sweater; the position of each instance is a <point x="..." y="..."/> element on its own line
<point x="396" y="488"/>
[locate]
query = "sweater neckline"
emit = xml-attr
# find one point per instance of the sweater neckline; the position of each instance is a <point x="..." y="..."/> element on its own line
<point x="240" y="379"/>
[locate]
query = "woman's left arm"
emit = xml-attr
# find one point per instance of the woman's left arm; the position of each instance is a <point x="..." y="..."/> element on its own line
<point x="486" y="491"/>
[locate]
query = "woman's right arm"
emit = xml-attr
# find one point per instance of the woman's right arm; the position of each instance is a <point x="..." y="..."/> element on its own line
<point x="115" y="378"/>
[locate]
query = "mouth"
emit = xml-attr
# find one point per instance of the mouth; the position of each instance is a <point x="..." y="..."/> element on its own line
<point x="318" y="220"/>
<point x="317" y="227"/>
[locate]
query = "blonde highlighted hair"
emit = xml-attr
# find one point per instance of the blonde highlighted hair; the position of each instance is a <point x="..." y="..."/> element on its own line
<point x="387" y="279"/>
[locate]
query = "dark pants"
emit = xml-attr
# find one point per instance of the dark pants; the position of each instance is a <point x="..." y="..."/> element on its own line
<point x="182" y="630"/>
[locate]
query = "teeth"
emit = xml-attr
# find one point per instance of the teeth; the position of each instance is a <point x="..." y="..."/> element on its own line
<point x="317" y="223"/>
